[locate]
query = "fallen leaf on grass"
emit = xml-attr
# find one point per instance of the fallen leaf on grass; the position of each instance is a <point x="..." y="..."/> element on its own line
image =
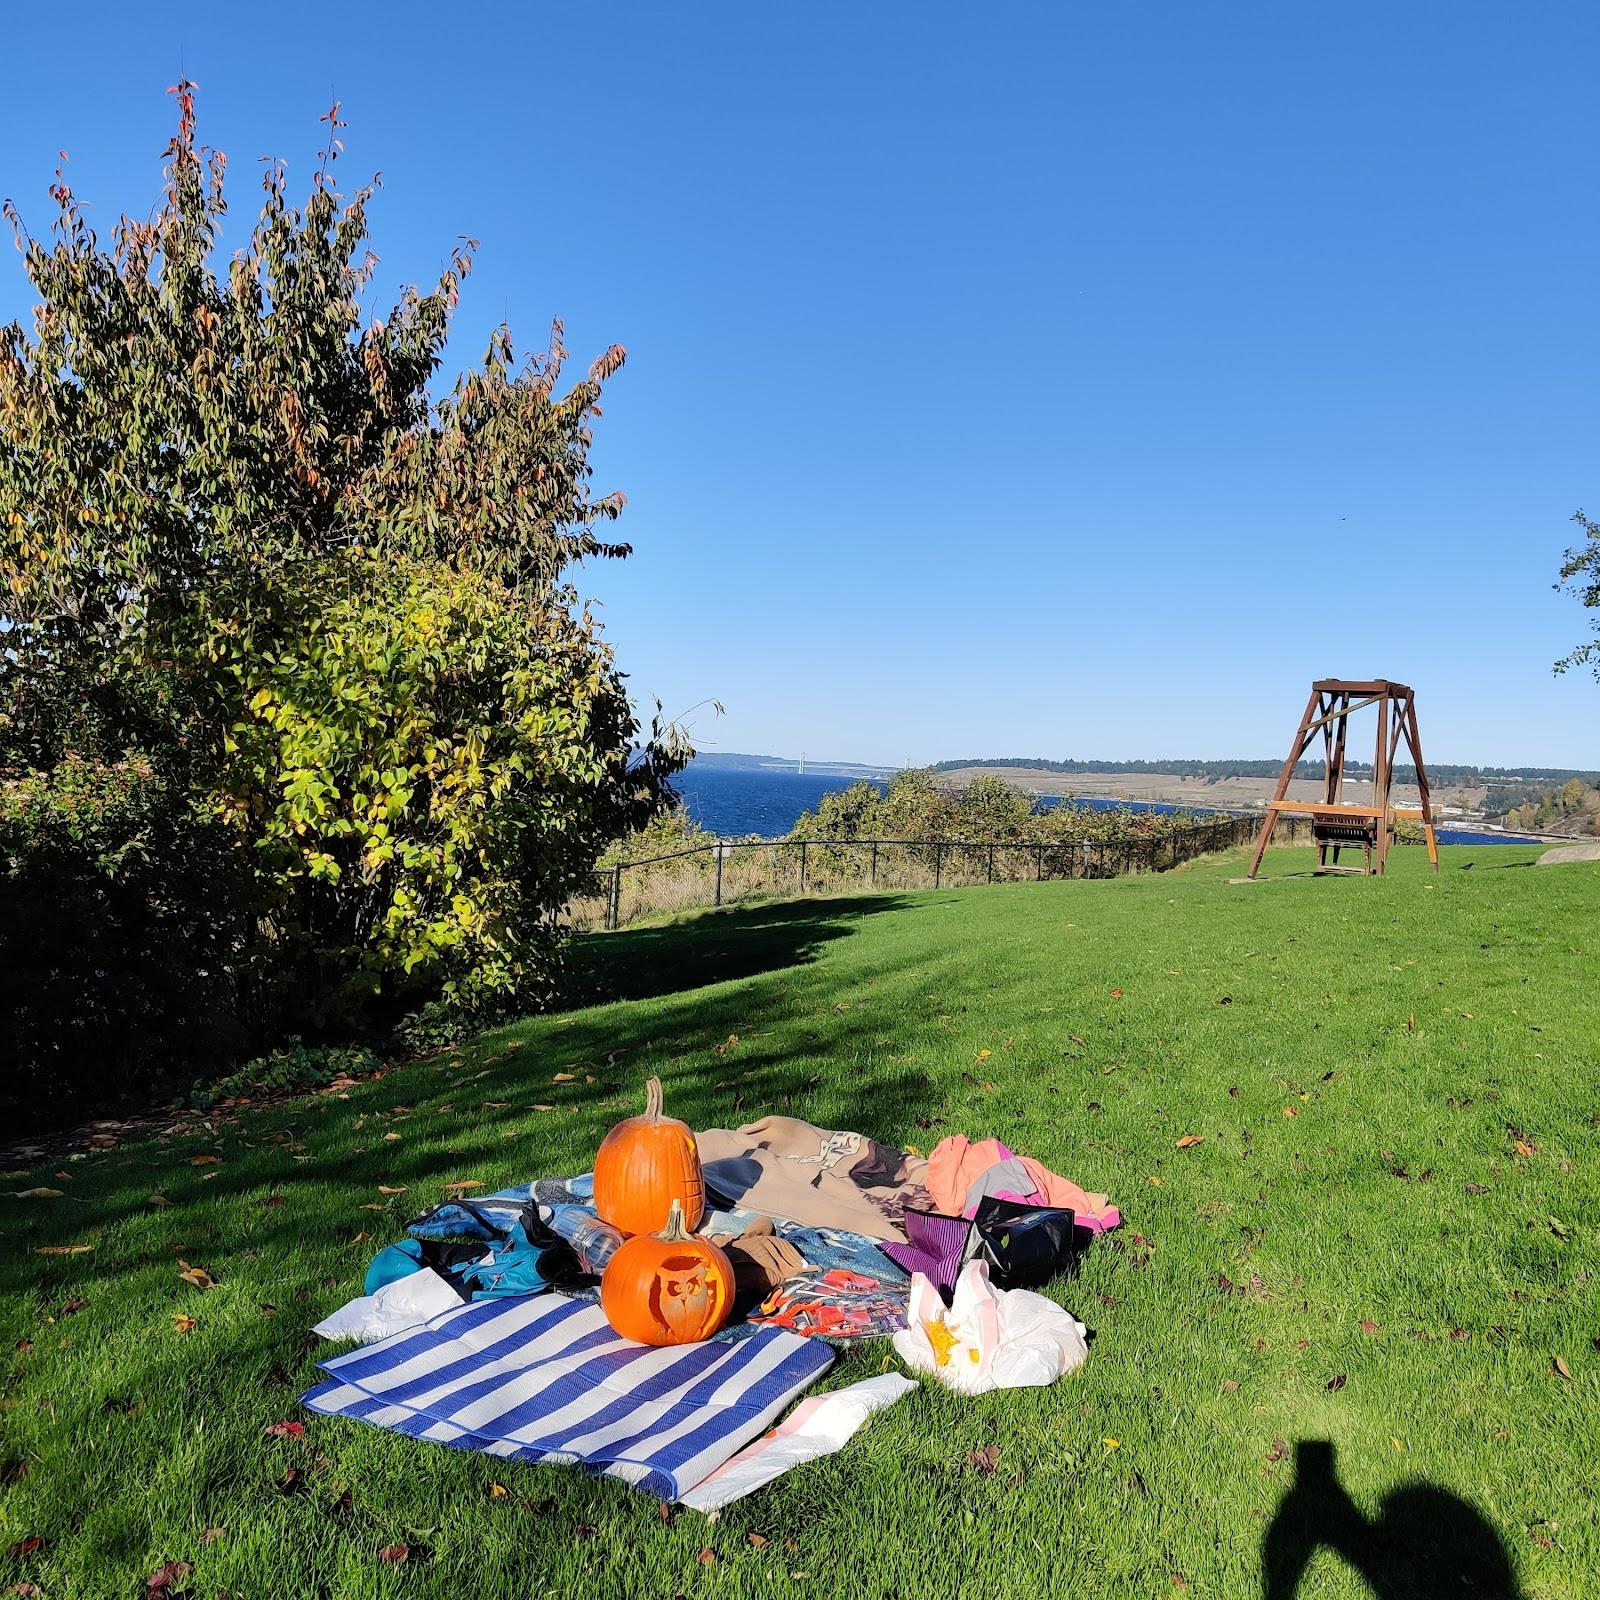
<point x="1229" y="1385"/>
<point x="1112" y="1444"/>
<point x="564" y="1077"/>
<point x="72" y="1307"/>
<point x="497" y="1491"/>
<point x="1278" y="1451"/>
<point x="28" y="1591"/>
<point x="205" y="1161"/>
<point x="275" y="1199"/>
<point x="62" y="1249"/>
<point x="1368" y="1327"/>
<point x="1476" y="1188"/>
<point x="211" y="1535"/>
<point x="184" y="1324"/>
<point x="167" y="1577"/>
<point x="389" y="1188"/>
<point x="1116" y="994"/>
<point x="707" y="1556"/>
<point x="391" y="1138"/>
<point x="1190" y="1140"/>
<point x="1290" y="1111"/>
<point x="158" y="1200"/>
<point x="394" y="1554"/>
<point x="374" y="1205"/>
<point x="284" y="1430"/>
<point x="1560" y="1367"/>
<point x="198" y="1276"/>
<point x="36" y="1194"/>
<point x="757" y="1541"/>
<point x="28" y="1547"/>
<point x="984" y="1460"/>
<point x="463" y="1183"/>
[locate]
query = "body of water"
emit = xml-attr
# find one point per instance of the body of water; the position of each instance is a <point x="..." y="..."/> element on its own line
<point x="769" y="802"/>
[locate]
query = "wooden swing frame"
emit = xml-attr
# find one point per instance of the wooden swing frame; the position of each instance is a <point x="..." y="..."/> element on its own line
<point x="1335" y="825"/>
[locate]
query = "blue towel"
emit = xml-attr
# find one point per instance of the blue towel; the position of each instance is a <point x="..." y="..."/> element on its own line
<point x="544" y="1378"/>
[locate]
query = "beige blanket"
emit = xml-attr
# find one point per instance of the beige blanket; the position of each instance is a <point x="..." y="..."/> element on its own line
<point x="817" y="1176"/>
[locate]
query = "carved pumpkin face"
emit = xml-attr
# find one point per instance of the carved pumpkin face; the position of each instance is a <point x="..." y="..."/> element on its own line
<point x="667" y="1288"/>
<point x="684" y="1293"/>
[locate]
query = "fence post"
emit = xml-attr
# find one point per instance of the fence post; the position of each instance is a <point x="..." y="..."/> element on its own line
<point x="718" y="847"/>
<point x="1038" y="863"/>
<point x="872" y="881"/>
<point x="991" y="863"/>
<point x="615" y="908"/>
<point x="802" y="866"/>
<point x="938" y="862"/>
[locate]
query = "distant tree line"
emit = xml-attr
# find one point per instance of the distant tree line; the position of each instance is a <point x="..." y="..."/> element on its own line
<point x="1215" y="771"/>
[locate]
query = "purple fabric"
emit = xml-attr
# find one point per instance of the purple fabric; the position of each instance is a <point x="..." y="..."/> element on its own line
<point x="937" y="1246"/>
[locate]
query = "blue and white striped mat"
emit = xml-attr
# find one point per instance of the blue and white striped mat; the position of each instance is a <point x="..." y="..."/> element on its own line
<point x="544" y="1378"/>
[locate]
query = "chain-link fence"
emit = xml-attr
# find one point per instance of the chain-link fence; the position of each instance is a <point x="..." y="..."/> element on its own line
<point x="729" y="871"/>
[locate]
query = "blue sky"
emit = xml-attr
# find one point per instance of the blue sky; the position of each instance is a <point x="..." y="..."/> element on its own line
<point x="1043" y="379"/>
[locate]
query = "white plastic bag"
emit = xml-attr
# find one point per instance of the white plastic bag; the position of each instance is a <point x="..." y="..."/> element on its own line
<point x="818" y="1426"/>
<point x="988" y="1338"/>
<point x="404" y="1303"/>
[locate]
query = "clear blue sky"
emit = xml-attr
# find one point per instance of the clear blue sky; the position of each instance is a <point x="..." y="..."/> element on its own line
<point x="1002" y="379"/>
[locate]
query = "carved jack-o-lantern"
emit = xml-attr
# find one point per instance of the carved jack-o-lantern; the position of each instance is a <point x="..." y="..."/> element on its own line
<point x="667" y="1288"/>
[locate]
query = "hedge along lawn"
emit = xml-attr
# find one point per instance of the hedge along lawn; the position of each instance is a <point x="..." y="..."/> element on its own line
<point x="1386" y="1238"/>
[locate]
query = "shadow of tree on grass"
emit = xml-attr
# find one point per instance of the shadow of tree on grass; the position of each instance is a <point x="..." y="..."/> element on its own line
<point x="715" y="947"/>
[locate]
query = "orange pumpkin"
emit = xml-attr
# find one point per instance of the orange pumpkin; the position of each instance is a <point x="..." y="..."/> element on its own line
<point x="645" y="1164"/>
<point x="667" y="1288"/>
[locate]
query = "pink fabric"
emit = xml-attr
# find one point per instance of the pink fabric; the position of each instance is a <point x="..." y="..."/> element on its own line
<point x="957" y="1163"/>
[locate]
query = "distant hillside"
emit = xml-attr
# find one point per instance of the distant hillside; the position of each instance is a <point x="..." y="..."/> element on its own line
<point x="1212" y="771"/>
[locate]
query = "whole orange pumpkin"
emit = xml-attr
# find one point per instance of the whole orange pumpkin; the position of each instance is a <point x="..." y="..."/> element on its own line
<point x="667" y="1288"/>
<point x="643" y="1165"/>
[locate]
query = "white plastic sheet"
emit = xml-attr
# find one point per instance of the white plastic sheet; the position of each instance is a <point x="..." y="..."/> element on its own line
<point x="818" y="1426"/>
<point x="405" y="1303"/>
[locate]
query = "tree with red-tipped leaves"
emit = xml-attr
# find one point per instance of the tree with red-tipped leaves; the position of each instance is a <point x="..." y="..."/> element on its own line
<point x="242" y="542"/>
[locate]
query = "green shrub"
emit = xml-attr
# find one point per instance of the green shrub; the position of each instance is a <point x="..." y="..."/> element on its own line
<point x="294" y="1066"/>
<point x="123" y="943"/>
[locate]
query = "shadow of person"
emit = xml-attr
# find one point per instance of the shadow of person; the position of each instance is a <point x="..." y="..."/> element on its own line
<point x="1424" y="1544"/>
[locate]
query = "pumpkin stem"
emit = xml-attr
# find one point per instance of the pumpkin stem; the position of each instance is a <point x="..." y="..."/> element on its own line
<point x="675" y="1232"/>
<point x="652" y="1099"/>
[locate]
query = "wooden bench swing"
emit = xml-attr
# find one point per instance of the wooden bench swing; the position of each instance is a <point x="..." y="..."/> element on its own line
<point x="1336" y="826"/>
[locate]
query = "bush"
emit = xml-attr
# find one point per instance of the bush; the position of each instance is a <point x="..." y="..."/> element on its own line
<point x="295" y="1066"/>
<point x="121" y="948"/>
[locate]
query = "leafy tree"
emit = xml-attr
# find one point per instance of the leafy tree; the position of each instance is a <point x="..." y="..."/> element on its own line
<point x="242" y="541"/>
<point x="1580" y="577"/>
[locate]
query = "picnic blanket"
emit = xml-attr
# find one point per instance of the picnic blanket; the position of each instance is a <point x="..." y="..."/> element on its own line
<point x="544" y="1378"/>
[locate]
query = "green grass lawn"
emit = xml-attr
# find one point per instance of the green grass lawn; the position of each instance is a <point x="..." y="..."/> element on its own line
<point x="1389" y="1239"/>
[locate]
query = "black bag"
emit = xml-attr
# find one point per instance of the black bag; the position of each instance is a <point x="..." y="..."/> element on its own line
<point x="1024" y="1244"/>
